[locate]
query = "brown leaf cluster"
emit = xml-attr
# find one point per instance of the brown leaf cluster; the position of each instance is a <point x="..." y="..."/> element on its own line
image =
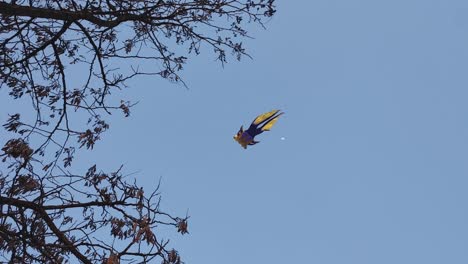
<point x="17" y="148"/>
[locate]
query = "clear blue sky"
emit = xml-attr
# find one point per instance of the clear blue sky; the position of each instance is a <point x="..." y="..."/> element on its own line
<point x="374" y="167"/>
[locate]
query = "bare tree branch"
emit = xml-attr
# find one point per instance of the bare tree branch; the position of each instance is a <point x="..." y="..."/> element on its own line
<point x="47" y="213"/>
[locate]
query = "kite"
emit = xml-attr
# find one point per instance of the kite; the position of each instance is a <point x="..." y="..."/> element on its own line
<point x="263" y="122"/>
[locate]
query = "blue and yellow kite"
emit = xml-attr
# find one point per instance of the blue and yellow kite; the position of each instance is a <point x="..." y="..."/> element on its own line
<point x="263" y="122"/>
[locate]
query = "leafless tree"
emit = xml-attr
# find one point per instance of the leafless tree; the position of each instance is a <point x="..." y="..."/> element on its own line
<point x="49" y="214"/>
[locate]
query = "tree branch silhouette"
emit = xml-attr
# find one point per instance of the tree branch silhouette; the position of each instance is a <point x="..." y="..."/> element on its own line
<point x="49" y="214"/>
